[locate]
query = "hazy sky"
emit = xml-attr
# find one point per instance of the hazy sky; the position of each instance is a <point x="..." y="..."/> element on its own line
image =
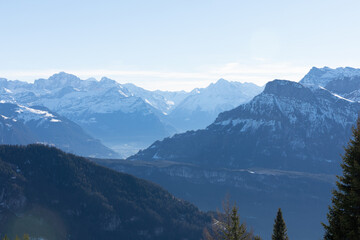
<point x="177" y="44"/>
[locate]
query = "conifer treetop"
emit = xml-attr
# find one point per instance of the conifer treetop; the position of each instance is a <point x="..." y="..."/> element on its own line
<point x="280" y="230"/>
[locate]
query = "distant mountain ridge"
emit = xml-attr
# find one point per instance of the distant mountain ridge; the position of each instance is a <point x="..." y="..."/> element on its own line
<point x="322" y="76"/>
<point x="24" y="125"/>
<point x="342" y="81"/>
<point x="203" y="105"/>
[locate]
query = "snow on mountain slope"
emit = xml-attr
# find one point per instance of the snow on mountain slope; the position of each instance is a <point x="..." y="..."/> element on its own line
<point x="342" y="81"/>
<point x="219" y="96"/>
<point x="161" y="100"/>
<point x="173" y="98"/>
<point x="287" y="126"/>
<point x="24" y="125"/>
<point x="322" y="76"/>
<point x="202" y="106"/>
<point x="124" y="113"/>
<point x="198" y="108"/>
<point x="105" y="109"/>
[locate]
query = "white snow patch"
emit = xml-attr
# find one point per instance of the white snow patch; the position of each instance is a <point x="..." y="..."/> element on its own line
<point x="39" y="112"/>
<point x="148" y="102"/>
<point x="7" y="90"/>
<point x="28" y="114"/>
<point x="122" y="93"/>
<point x="336" y="95"/>
<point x="171" y="103"/>
<point x="55" y="120"/>
<point x="156" y="156"/>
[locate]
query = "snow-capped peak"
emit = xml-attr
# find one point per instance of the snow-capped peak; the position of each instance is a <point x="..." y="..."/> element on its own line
<point x="58" y="80"/>
<point x="322" y="76"/>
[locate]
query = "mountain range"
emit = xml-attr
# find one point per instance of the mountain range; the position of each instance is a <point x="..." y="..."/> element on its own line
<point x="123" y="116"/>
<point x="282" y="145"/>
<point x="281" y="149"/>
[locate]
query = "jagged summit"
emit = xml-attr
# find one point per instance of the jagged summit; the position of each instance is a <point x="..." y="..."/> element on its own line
<point x="322" y="76"/>
<point x="287" y="88"/>
<point x="63" y="75"/>
<point x="58" y="80"/>
<point x="107" y="80"/>
<point x="221" y="81"/>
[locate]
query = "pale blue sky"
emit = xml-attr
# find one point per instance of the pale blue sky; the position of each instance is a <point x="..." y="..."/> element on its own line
<point x="177" y="44"/>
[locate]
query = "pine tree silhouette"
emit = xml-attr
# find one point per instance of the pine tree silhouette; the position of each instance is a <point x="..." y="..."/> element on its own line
<point x="344" y="214"/>
<point x="280" y="231"/>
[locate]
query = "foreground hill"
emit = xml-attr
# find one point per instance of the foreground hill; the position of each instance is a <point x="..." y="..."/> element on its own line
<point x="24" y="125"/>
<point x="288" y="126"/>
<point x="54" y="195"/>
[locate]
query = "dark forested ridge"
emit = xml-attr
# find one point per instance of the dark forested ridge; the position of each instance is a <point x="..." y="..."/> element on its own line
<point x="46" y="192"/>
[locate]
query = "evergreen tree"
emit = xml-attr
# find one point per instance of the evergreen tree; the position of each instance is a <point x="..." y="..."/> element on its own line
<point x="227" y="226"/>
<point x="5" y="238"/>
<point x="280" y="231"/>
<point x="26" y="237"/>
<point x="344" y="214"/>
<point x="234" y="230"/>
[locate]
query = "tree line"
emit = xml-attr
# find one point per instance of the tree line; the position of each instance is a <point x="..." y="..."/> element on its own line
<point x="227" y="226"/>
